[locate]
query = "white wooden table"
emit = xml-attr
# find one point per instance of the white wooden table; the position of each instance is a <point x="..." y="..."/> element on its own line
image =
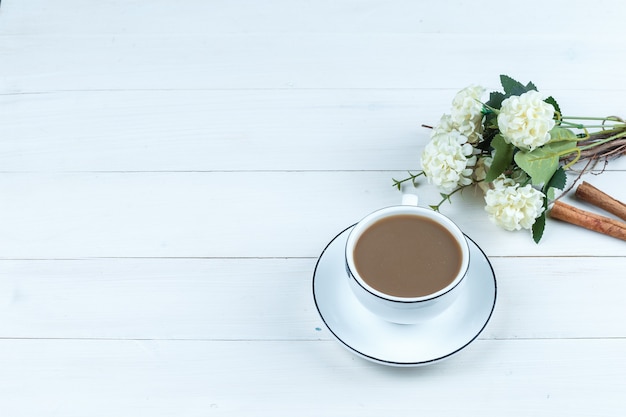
<point x="171" y="171"/>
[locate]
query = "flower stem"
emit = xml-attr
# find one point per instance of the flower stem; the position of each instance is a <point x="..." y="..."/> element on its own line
<point x="618" y="135"/>
<point x="412" y="177"/>
<point x="608" y="119"/>
<point x="582" y="126"/>
<point x="446" y="197"/>
<point x="618" y="122"/>
<point x="584" y="118"/>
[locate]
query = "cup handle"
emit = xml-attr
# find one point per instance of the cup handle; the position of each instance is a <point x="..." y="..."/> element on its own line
<point x="409" y="199"/>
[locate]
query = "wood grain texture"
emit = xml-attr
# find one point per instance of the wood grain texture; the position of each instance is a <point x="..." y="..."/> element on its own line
<point x="236" y="214"/>
<point x="196" y="378"/>
<point x="270" y="299"/>
<point x="170" y="172"/>
<point x="209" y="130"/>
<point x="118" y="17"/>
<point x="217" y="61"/>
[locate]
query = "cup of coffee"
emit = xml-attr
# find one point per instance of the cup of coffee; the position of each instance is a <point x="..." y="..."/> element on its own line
<point x="406" y="263"/>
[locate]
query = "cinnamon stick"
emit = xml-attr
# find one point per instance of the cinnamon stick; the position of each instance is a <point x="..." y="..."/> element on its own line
<point x="588" y="220"/>
<point x="592" y="195"/>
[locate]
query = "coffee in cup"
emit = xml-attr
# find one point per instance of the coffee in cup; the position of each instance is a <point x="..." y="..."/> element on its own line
<point x="405" y="263"/>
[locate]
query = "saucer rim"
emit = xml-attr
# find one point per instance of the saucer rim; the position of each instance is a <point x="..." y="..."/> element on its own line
<point x="412" y="363"/>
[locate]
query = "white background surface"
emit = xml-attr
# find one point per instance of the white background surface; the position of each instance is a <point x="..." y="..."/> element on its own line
<point x="170" y="172"/>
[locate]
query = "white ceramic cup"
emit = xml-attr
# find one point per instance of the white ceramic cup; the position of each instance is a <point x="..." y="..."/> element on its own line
<point x="405" y="310"/>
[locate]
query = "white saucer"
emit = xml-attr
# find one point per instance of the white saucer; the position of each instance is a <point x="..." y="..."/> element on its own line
<point x="387" y="343"/>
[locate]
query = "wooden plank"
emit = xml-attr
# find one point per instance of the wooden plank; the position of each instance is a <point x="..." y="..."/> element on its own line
<point x="225" y="214"/>
<point x="241" y="137"/>
<point x="210" y="130"/>
<point x="160" y="299"/>
<point x="214" y="130"/>
<point x="159" y="378"/>
<point x="270" y="299"/>
<point x="160" y="16"/>
<point x="34" y="63"/>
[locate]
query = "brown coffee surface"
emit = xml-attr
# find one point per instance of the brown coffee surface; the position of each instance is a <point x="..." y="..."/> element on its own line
<point x="407" y="256"/>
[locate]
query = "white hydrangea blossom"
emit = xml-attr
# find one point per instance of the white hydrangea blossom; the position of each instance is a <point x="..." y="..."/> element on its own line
<point x="480" y="172"/>
<point x="447" y="160"/>
<point x="466" y="114"/>
<point x="513" y="207"/>
<point x="526" y="120"/>
<point x="445" y="125"/>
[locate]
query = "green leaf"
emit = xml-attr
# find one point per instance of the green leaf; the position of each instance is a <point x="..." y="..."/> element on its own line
<point x="540" y="222"/>
<point x="558" y="180"/>
<point x="559" y="134"/>
<point x="490" y="129"/>
<point x="510" y="85"/>
<point x="495" y="99"/>
<point x="513" y="87"/>
<point x="539" y="226"/>
<point x="502" y="158"/>
<point x="551" y="100"/>
<point x="542" y="163"/>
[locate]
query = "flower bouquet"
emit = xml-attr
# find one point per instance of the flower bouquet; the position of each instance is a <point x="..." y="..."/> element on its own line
<point x="515" y="147"/>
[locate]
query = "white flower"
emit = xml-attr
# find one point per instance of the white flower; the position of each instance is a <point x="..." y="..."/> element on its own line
<point x="444" y="126"/>
<point x="466" y="113"/>
<point x="480" y="172"/>
<point x="447" y="159"/>
<point x="526" y="120"/>
<point x="513" y="207"/>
